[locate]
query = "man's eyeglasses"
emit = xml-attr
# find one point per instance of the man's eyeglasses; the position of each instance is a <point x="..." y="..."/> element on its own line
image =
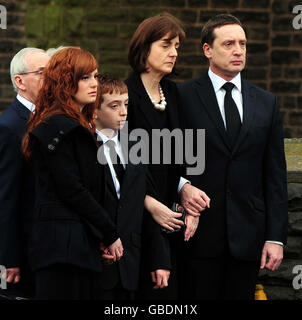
<point x="37" y="72"/>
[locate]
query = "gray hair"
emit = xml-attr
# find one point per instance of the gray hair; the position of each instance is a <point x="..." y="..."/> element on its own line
<point x="18" y="64"/>
<point x="51" y="51"/>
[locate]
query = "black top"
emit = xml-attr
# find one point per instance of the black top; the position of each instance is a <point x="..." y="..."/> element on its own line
<point x="142" y="114"/>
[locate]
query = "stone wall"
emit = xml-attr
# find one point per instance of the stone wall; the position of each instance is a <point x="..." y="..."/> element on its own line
<point x="279" y="284"/>
<point x="12" y="40"/>
<point x="105" y="27"/>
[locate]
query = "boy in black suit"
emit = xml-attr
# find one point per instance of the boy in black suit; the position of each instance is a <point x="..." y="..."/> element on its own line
<point x="127" y="189"/>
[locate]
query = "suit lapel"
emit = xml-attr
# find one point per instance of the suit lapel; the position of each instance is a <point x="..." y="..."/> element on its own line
<point x="172" y="107"/>
<point x="207" y="95"/>
<point x="249" y="102"/>
<point x="109" y="184"/>
<point x="21" y="110"/>
<point x="130" y="168"/>
<point x="109" y="181"/>
<point x="145" y="103"/>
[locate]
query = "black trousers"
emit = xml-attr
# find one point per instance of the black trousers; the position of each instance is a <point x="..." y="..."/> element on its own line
<point x="67" y="282"/>
<point x="219" y="278"/>
<point x="118" y="293"/>
<point x="146" y="291"/>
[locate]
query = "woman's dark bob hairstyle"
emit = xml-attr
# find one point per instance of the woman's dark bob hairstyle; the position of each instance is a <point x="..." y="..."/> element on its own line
<point x="149" y="31"/>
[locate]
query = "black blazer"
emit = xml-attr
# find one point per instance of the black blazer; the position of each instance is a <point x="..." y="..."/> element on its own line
<point x="246" y="184"/>
<point x="141" y="114"/>
<point x="16" y="190"/>
<point x="70" y="223"/>
<point x="133" y="224"/>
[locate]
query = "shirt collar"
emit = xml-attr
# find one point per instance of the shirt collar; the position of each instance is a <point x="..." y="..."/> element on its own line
<point x="105" y="138"/>
<point x="29" y="105"/>
<point x="218" y="82"/>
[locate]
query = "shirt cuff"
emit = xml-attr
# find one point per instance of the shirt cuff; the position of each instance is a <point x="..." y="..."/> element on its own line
<point x="276" y="242"/>
<point x="182" y="182"/>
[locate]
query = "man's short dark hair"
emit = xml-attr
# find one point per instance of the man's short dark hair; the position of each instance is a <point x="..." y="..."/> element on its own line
<point x="207" y="32"/>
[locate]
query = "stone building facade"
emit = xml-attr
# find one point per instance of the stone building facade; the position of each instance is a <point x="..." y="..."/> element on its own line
<point x="105" y="27"/>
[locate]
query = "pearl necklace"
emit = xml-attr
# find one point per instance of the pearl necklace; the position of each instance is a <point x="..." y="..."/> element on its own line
<point x="159" y="106"/>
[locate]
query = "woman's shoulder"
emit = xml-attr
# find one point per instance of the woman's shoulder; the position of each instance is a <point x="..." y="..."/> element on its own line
<point x="168" y="83"/>
<point x="51" y="131"/>
<point x="169" y="87"/>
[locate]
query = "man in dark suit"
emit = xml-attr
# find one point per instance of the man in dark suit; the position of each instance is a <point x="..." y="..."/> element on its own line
<point x="124" y="197"/>
<point x="245" y="171"/>
<point x="16" y="178"/>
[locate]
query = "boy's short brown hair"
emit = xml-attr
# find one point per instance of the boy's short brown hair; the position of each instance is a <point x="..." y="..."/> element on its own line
<point x="110" y="84"/>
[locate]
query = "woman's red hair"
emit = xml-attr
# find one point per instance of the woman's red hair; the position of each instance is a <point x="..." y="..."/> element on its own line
<point x="60" y="84"/>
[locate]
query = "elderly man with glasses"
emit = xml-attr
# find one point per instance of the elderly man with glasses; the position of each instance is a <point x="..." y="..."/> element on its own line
<point x="16" y="176"/>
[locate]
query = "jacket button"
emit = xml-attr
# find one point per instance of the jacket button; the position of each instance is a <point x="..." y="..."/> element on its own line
<point x="51" y="147"/>
<point x="56" y="140"/>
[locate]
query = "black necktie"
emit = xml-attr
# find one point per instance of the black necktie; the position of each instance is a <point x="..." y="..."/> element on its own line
<point x="232" y="117"/>
<point x="116" y="161"/>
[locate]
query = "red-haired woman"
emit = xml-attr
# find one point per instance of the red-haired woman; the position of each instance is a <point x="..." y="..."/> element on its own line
<point x="70" y="224"/>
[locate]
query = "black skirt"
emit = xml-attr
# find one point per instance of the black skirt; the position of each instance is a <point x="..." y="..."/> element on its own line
<point x="67" y="282"/>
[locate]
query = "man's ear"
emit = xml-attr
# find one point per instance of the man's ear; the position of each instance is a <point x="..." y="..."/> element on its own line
<point x="207" y="50"/>
<point x="18" y="80"/>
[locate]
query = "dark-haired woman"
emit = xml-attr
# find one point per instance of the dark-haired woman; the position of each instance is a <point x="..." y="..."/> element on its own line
<point x="154" y="104"/>
<point x="70" y="223"/>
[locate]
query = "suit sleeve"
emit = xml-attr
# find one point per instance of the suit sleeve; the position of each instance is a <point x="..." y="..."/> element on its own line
<point x="71" y="190"/>
<point x="10" y="175"/>
<point x="276" y="181"/>
<point x="151" y="189"/>
<point x="157" y="243"/>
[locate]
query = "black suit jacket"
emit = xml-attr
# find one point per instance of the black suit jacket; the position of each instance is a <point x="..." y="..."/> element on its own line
<point x="134" y="224"/>
<point x="141" y="114"/>
<point x="246" y="183"/>
<point x="16" y="191"/>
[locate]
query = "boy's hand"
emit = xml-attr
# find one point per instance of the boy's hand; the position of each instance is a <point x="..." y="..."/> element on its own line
<point x="160" y="277"/>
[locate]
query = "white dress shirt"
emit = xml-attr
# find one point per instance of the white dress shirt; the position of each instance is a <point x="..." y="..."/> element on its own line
<point x="217" y="83"/>
<point x="29" y="105"/>
<point x="117" y="147"/>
